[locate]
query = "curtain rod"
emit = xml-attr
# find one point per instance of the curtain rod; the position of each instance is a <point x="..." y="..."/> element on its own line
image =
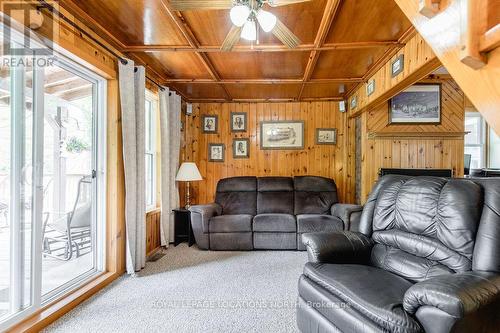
<point x="124" y="61"/>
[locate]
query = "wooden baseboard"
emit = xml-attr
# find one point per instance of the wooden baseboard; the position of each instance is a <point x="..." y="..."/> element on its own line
<point x="53" y="311"/>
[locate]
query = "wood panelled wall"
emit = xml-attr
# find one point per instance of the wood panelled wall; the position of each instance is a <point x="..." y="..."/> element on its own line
<point x="414" y="146"/>
<point x="153" y="232"/>
<point x="321" y="160"/>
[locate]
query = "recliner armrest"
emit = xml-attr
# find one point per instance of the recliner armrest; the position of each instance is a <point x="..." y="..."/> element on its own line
<point x="338" y="247"/>
<point x="456" y="294"/>
<point x="349" y="214"/>
<point x="203" y="213"/>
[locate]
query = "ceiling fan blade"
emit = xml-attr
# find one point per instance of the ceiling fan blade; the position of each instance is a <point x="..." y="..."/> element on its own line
<point x="285" y="35"/>
<point x="182" y="5"/>
<point x="231" y="39"/>
<point x="276" y="3"/>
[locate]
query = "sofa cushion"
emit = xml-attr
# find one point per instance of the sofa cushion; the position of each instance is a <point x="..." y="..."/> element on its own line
<point x="374" y="292"/>
<point x="428" y="223"/>
<point x="318" y="223"/>
<point x="314" y="195"/>
<point x="237" y="195"/>
<point x="274" y="223"/>
<point x="231" y="223"/>
<point x="275" y="195"/>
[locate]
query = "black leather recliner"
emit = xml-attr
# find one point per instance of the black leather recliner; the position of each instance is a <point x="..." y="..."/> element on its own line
<point x="270" y="213"/>
<point x="426" y="259"/>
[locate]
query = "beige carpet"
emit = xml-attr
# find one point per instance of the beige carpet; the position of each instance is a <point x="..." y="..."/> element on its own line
<point x="189" y="290"/>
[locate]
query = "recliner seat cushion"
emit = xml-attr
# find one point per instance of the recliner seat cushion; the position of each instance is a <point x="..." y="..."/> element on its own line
<point x="318" y="223"/>
<point x="375" y="293"/>
<point x="426" y="226"/>
<point x="275" y="195"/>
<point x="274" y="223"/>
<point x="237" y="195"/>
<point x="230" y="223"/>
<point x="314" y="195"/>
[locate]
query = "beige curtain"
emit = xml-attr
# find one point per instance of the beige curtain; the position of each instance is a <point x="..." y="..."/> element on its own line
<point x="170" y="118"/>
<point x="132" y="82"/>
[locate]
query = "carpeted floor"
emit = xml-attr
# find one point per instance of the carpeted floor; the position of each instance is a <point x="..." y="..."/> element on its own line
<point x="189" y="290"/>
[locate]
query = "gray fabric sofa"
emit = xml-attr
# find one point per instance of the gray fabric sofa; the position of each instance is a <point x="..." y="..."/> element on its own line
<point x="270" y="213"/>
<point x="426" y="259"/>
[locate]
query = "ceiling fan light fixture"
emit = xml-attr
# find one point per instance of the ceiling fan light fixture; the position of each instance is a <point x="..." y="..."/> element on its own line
<point x="249" y="31"/>
<point x="266" y="20"/>
<point x="239" y="15"/>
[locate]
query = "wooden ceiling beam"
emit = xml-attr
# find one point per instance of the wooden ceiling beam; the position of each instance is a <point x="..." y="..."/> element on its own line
<point x="188" y="34"/>
<point x="261" y="48"/>
<point x="331" y="10"/>
<point x="265" y="81"/>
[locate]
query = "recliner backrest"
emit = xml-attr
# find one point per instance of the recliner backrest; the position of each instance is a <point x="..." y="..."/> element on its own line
<point x="314" y="195"/>
<point x="275" y="195"/>
<point x="428" y="226"/>
<point x="237" y="195"/>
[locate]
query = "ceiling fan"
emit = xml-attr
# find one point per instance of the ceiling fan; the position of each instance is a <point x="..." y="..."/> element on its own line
<point x="245" y="14"/>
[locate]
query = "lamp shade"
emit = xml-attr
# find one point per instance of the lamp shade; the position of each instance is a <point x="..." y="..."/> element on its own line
<point x="188" y="172"/>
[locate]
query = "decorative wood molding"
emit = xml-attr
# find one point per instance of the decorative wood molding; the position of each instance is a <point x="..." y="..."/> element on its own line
<point x="264" y="81"/>
<point x="188" y="34"/>
<point x="331" y="10"/>
<point x="262" y="48"/>
<point x="420" y="135"/>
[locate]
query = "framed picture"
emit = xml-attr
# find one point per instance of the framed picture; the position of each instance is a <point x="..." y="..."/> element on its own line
<point x="282" y="135"/>
<point x="241" y="148"/>
<point x="370" y="87"/>
<point x="398" y="65"/>
<point x="216" y="152"/>
<point x="210" y="123"/>
<point x="419" y="104"/>
<point x="238" y="122"/>
<point x="354" y="102"/>
<point x="326" y="136"/>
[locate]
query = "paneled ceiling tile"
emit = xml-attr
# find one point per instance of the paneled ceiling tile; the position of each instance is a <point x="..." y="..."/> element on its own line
<point x="363" y="21"/>
<point x="272" y="65"/>
<point x="324" y="90"/>
<point x="264" y="91"/>
<point x="200" y="91"/>
<point x="135" y="22"/>
<point x="179" y="65"/>
<point x="346" y="63"/>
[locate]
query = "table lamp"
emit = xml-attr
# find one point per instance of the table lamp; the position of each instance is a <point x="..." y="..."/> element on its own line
<point x="188" y="172"/>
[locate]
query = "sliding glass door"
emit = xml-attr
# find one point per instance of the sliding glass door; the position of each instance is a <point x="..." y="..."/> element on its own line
<point x="52" y="182"/>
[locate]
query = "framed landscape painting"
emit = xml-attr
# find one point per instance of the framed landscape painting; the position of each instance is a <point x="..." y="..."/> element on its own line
<point x="419" y="104"/>
<point x="326" y="136"/>
<point x="282" y="135"/>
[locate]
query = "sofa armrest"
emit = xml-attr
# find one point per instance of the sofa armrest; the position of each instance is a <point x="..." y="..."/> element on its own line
<point x="338" y="247"/>
<point x="458" y="294"/>
<point x="349" y="214"/>
<point x="202" y="213"/>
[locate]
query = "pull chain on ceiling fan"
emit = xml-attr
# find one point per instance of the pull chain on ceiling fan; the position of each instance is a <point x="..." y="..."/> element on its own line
<point x="245" y="14"/>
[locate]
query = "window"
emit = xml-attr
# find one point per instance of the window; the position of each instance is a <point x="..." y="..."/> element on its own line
<point x="52" y="181"/>
<point x="475" y="140"/>
<point x="151" y="123"/>
<point x="493" y="150"/>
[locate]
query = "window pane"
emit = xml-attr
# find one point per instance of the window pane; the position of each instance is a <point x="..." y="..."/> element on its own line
<point x="69" y="236"/>
<point x="494" y="153"/>
<point x="473" y="125"/>
<point x="149" y="180"/>
<point x="149" y="133"/>
<point x="16" y="183"/>
<point x="476" y="157"/>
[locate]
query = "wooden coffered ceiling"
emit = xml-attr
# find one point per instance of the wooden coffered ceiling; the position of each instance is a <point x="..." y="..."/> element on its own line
<point x="342" y="41"/>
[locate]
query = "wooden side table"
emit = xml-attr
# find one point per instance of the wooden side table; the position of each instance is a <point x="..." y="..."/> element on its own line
<point x="182" y="227"/>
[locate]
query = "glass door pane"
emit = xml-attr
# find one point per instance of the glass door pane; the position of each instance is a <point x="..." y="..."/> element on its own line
<point x="69" y="233"/>
<point x="16" y="184"/>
